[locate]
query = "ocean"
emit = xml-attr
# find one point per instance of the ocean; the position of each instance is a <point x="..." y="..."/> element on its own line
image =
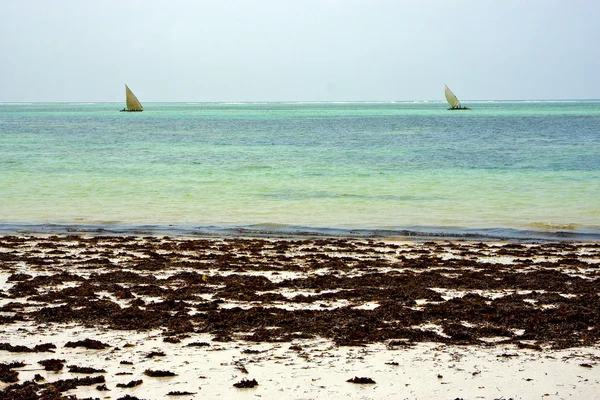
<point x="502" y="169"/>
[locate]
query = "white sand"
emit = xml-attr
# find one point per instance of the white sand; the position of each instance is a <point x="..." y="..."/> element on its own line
<point x="318" y="370"/>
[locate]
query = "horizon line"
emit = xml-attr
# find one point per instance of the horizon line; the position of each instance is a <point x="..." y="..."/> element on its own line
<point x="288" y="101"/>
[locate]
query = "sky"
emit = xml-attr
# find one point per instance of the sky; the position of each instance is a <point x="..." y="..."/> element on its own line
<point x="298" y="50"/>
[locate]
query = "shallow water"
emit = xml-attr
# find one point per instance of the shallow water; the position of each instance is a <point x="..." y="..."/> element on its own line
<point x="502" y="168"/>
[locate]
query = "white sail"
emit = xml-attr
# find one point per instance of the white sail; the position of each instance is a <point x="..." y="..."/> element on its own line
<point x="131" y="102"/>
<point x="451" y="98"/>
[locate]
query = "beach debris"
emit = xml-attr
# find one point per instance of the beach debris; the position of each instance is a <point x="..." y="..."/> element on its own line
<point x="153" y="354"/>
<point x="18" y="277"/>
<point x="198" y="344"/>
<point x="246" y="383"/>
<point x="7" y="375"/>
<point x="88" y="344"/>
<point x="50" y="390"/>
<point x="129" y="397"/>
<point x="43" y="348"/>
<point x="52" y="364"/>
<point x="40" y="348"/>
<point x="130" y="384"/>
<point x="363" y="380"/>
<point x="159" y="373"/>
<point x="84" y="370"/>
<point x="69" y="384"/>
<point x="102" y="388"/>
<point x="179" y="393"/>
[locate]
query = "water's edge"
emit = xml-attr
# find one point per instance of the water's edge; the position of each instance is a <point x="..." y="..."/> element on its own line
<point x="289" y="231"/>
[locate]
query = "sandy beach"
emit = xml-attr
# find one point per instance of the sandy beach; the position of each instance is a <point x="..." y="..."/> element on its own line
<point x="128" y="317"/>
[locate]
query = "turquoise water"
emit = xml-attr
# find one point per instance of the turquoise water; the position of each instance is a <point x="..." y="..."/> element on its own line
<point x="503" y="167"/>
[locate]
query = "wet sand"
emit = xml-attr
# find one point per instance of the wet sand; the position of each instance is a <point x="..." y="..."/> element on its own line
<point x="160" y="317"/>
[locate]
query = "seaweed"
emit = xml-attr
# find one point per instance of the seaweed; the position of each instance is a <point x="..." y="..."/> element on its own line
<point x="246" y="383"/>
<point x="52" y="364"/>
<point x="88" y="344"/>
<point x="130" y="384"/>
<point x="159" y="373"/>
<point x="362" y="380"/>
<point x="545" y="300"/>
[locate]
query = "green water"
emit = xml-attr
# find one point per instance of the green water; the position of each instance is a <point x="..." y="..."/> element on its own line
<point x="500" y="166"/>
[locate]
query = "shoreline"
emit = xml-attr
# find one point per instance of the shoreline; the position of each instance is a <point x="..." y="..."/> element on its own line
<point x="436" y="319"/>
<point x="553" y="233"/>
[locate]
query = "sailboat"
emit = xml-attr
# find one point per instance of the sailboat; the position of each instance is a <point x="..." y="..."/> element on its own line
<point x="131" y="102"/>
<point x="453" y="100"/>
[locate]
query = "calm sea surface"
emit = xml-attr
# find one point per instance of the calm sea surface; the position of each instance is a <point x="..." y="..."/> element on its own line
<point x="521" y="169"/>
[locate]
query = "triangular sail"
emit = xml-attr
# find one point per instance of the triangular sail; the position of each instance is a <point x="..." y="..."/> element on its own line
<point x="451" y="98"/>
<point x="131" y="102"/>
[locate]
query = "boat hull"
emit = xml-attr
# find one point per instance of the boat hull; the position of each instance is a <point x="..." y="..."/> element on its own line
<point x="125" y="110"/>
<point x="459" y="108"/>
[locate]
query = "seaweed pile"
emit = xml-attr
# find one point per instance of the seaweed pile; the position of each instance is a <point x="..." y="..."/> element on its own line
<point x="351" y="291"/>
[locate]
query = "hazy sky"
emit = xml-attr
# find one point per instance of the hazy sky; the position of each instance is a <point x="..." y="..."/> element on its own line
<point x="298" y="50"/>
